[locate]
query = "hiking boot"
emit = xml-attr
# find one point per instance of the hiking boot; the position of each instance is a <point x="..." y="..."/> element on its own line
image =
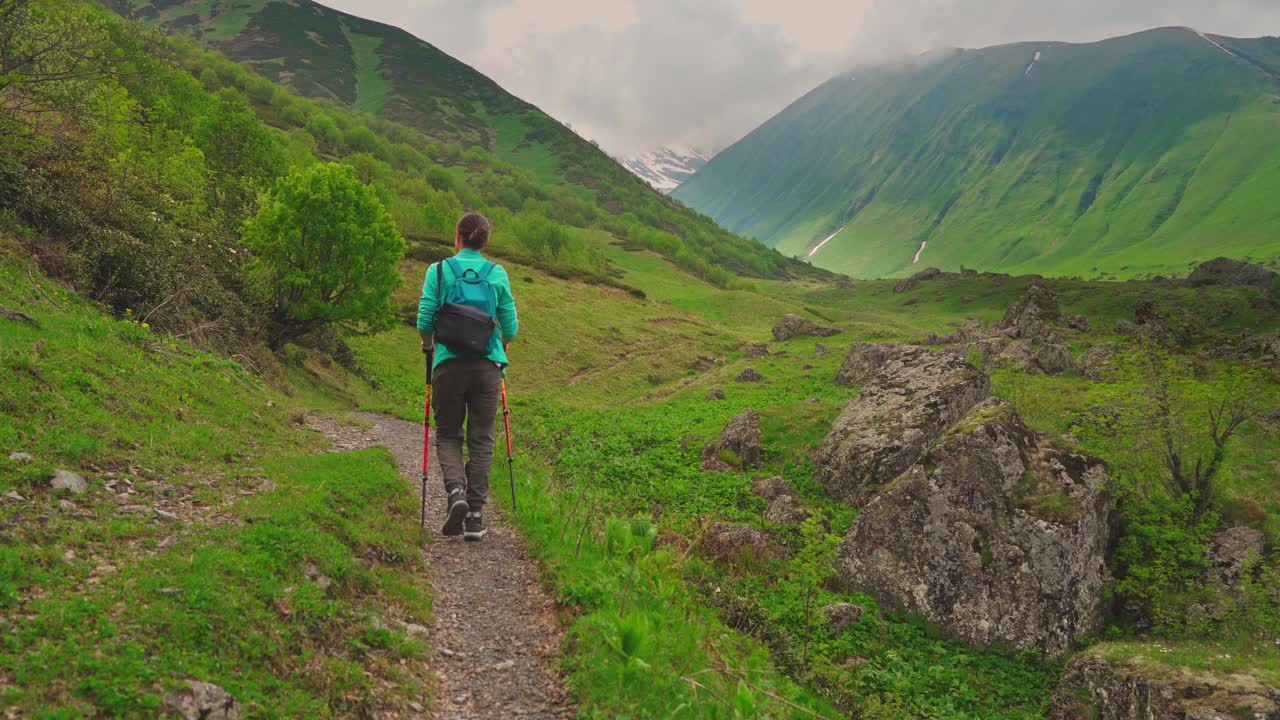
<point x="475" y="528"/>
<point x="453" y="522"/>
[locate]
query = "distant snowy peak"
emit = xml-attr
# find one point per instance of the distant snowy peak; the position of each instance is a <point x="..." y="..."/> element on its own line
<point x="666" y="168"/>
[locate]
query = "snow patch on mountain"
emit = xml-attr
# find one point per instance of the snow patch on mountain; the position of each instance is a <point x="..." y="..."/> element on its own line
<point x="1035" y="60"/>
<point x="666" y="168"/>
<point x="824" y="242"/>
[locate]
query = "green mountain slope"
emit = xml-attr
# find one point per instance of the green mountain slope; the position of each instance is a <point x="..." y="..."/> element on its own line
<point x="385" y="71"/>
<point x="1133" y="155"/>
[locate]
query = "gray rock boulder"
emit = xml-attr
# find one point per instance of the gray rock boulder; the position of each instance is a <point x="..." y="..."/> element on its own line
<point x="992" y="536"/>
<point x="69" y="481"/>
<point x="740" y="439"/>
<point x="1033" y="314"/>
<point x="21" y="458"/>
<point x="786" y="510"/>
<point x="1232" y="552"/>
<point x="1095" y="688"/>
<point x="202" y="701"/>
<point x="1079" y="323"/>
<point x="910" y="396"/>
<point x="1099" y="361"/>
<point x="755" y="350"/>
<point x="771" y="488"/>
<point x="728" y="542"/>
<point x="715" y="394"/>
<point x="1225" y="271"/>
<point x="842" y="615"/>
<point x="789" y="326"/>
<point x="750" y="375"/>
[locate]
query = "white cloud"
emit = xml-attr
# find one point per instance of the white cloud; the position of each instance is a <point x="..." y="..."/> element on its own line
<point x="634" y="74"/>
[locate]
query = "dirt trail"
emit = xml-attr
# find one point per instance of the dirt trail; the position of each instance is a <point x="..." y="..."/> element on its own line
<point x="495" y="643"/>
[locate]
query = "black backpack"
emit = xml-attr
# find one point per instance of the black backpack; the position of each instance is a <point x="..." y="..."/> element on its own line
<point x="465" y="322"/>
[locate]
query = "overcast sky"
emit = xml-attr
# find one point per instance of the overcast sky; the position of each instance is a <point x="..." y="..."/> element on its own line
<point x="637" y="74"/>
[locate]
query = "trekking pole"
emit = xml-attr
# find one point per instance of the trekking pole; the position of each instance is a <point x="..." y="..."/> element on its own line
<point x="426" y="442"/>
<point x="506" y="421"/>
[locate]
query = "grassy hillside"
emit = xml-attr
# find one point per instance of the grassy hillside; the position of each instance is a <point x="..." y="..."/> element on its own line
<point x="1135" y="155"/>
<point x="385" y="72"/>
<point x="216" y="540"/>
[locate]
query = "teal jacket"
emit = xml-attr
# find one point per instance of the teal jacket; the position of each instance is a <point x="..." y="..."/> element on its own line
<point x="429" y="303"/>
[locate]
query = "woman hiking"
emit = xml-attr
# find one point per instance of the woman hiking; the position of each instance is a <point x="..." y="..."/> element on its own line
<point x="468" y="314"/>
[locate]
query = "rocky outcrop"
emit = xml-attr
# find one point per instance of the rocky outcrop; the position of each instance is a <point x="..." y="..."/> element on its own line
<point x="750" y="375"/>
<point x="786" y="510"/>
<point x="728" y="542"/>
<point x="785" y="507"/>
<point x="1099" y="361"/>
<point x="715" y="394"/>
<point x="1225" y="271"/>
<point x="1232" y="553"/>
<point x="202" y="701"/>
<point x="1095" y="688"/>
<point x="755" y="351"/>
<point x="907" y="284"/>
<point x="1033" y="315"/>
<point x="738" y="447"/>
<point x="910" y="396"/>
<point x="991" y="535"/>
<point x="789" y="326"/>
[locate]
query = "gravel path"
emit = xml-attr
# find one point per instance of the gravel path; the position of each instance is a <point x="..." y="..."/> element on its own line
<point x="495" y="643"/>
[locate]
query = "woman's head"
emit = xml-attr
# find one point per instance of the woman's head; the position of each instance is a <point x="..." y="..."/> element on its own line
<point x="473" y="231"/>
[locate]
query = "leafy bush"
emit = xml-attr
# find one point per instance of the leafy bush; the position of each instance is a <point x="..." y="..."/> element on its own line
<point x="326" y="251"/>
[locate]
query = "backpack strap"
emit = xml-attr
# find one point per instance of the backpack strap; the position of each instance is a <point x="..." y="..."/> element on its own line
<point x="485" y="270"/>
<point x="439" y="284"/>
<point x="456" y="267"/>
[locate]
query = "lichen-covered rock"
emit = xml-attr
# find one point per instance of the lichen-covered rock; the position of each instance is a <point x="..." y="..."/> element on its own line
<point x="1099" y="361"/>
<point x="771" y="488"/>
<point x="750" y="375"/>
<point x="1225" y="271"/>
<point x="842" y="615"/>
<point x="993" y="537"/>
<point x="738" y="447"/>
<point x="1095" y="688"/>
<point x="715" y="394"/>
<point x="202" y="701"/>
<point x="864" y="361"/>
<point x="1033" y="314"/>
<point x="789" y="326"/>
<point x="910" y="396"/>
<point x="1232" y="552"/>
<point x="728" y="542"/>
<point x="755" y="350"/>
<point x="1053" y="358"/>
<point x="786" y="510"/>
<point x="69" y="481"/>
<point x="1079" y="323"/>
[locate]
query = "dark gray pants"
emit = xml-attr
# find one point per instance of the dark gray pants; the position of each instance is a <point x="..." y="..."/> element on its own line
<point x="466" y="390"/>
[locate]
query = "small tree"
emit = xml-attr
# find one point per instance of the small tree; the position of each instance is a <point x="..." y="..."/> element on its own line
<point x="1165" y="423"/>
<point x="325" y="250"/>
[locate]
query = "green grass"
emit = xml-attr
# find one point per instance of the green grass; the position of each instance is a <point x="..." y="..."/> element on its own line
<point x="371" y="87"/>
<point x="236" y="605"/>
<point x="104" y="610"/>
<point x="1172" y="658"/>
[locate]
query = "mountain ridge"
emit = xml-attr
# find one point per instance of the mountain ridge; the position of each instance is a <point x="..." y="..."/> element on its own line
<point x="1078" y="162"/>
<point x="666" y="168"/>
